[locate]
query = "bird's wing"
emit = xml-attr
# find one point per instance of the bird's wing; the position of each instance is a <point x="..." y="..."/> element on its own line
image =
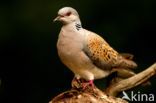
<point x="102" y="54"/>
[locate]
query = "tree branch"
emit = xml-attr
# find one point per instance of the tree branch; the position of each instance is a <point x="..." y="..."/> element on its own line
<point x="87" y="95"/>
<point x="131" y="82"/>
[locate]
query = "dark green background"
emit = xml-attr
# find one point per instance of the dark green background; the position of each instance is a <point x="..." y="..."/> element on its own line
<point x="30" y="69"/>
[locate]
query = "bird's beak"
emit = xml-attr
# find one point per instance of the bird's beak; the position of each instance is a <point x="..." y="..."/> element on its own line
<point x="56" y="19"/>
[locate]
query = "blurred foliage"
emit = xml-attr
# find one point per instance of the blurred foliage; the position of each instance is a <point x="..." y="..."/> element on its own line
<point x="31" y="70"/>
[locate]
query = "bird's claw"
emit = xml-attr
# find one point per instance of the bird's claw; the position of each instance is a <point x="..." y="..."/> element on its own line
<point x="88" y="83"/>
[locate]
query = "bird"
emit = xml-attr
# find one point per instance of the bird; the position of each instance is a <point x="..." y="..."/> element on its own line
<point x="86" y="53"/>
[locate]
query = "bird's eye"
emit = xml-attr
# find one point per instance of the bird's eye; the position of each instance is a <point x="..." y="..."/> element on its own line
<point x="68" y="13"/>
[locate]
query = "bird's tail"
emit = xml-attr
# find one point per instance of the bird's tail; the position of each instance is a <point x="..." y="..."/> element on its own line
<point x="127" y="56"/>
<point x="125" y="63"/>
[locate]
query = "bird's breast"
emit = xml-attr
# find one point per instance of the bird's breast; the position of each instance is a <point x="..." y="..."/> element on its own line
<point x="69" y="43"/>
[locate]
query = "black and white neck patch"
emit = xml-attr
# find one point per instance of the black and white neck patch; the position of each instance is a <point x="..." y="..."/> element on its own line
<point x="78" y="26"/>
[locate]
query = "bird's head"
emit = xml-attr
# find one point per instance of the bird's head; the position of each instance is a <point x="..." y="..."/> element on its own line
<point x="67" y="15"/>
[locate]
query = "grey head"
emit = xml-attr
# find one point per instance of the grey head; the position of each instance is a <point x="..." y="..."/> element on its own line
<point x="67" y="15"/>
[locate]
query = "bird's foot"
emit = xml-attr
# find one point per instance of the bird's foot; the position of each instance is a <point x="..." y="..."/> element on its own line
<point x="82" y="83"/>
<point x="88" y="83"/>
